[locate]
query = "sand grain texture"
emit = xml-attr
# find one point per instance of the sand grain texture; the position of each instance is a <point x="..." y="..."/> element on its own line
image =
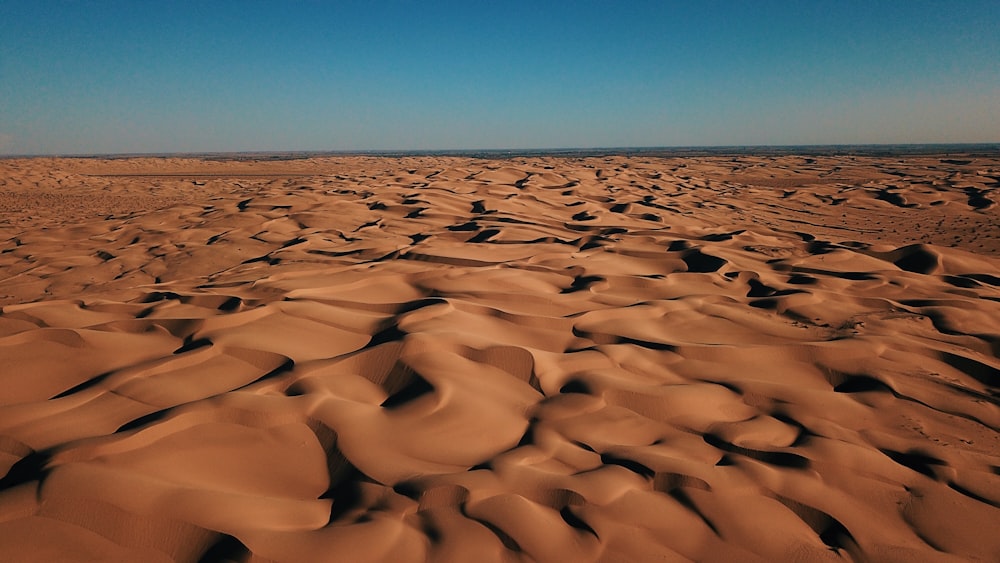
<point x="533" y="359"/>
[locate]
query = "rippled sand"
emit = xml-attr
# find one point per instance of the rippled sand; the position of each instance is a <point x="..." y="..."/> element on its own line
<point x="533" y="359"/>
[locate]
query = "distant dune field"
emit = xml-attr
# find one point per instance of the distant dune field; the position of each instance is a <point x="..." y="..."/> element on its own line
<point x="539" y="358"/>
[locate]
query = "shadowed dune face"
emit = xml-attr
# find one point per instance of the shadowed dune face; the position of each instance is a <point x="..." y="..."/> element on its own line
<point x="538" y="359"/>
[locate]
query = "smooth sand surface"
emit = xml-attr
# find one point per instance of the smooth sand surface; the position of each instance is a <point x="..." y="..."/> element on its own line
<point x="533" y="359"/>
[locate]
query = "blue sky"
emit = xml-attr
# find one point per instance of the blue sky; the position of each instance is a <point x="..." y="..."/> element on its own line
<point x="110" y="77"/>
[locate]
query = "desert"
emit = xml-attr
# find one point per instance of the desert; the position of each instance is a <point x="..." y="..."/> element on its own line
<point x="601" y="357"/>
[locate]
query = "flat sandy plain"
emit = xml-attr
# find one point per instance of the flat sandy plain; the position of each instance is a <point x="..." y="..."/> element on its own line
<point x="717" y="358"/>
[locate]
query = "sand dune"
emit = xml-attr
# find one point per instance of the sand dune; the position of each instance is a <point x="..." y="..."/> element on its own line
<point x="534" y="359"/>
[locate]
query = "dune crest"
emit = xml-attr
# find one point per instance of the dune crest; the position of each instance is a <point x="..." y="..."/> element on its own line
<point x="531" y="359"/>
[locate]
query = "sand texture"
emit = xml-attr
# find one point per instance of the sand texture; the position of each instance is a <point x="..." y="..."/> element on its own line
<point x="542" y="359"/>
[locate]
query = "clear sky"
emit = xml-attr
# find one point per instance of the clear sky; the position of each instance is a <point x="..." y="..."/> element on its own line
<point x="137" y="76"/>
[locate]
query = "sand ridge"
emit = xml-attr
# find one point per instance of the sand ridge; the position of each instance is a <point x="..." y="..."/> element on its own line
<point x="532" y="359"/>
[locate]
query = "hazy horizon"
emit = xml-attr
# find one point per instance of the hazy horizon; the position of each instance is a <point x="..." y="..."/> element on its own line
<point x="869" y="149"/>
<point x="131" y="77"/>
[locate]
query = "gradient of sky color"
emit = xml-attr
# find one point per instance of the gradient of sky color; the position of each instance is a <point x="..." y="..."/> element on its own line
<point x="112" y="77"/>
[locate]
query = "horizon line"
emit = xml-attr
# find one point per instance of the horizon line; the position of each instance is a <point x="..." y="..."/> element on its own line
<point x="821" y="148"/>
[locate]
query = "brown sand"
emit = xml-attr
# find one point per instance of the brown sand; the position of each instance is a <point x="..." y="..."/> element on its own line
<point x="535" y="359"/>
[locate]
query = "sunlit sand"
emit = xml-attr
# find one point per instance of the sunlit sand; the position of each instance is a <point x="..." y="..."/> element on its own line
<point x="714" y="358"/>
